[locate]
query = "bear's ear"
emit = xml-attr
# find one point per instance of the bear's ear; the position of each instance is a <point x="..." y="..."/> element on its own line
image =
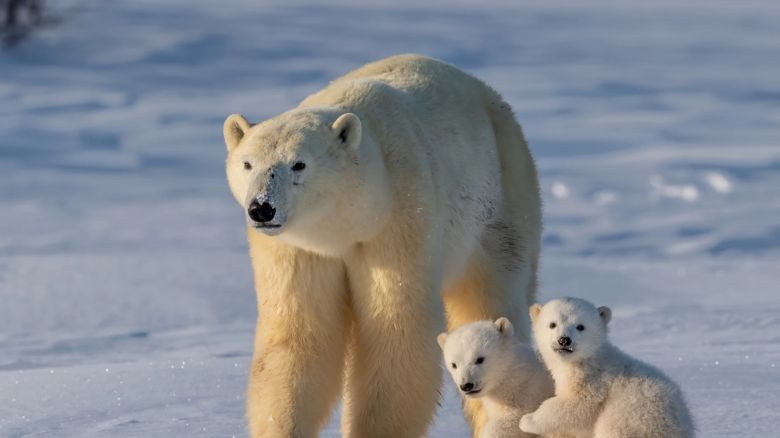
<point x="504" y="327"/>
<point x="441" y="339"/>
<point x="234" y="129"/>
<point x="605" y="313"/>
<point x="348" y="130"/>
<point x="534" y="311"/>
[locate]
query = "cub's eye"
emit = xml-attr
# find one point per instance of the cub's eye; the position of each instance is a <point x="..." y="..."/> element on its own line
<point x="553" y="325"/>
<point x="298" y="166"/>
<point x="479" y="360"/>
<point x="580" y="327"/>
<point x="454" y="366"/>
<point x="247" y="166"/>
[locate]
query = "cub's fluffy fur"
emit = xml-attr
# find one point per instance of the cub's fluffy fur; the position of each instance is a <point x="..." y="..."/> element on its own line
<point x="599" y="391"/>
<point x="487" y="362"/>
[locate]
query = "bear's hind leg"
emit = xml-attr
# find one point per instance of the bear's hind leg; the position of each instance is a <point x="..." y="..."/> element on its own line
<point x="490" y="288"/>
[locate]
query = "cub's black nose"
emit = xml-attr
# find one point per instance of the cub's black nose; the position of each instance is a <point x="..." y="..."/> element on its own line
<point x="564" y="341"/>
<point x="261" y="212"/>
<point x="467" y="387"/>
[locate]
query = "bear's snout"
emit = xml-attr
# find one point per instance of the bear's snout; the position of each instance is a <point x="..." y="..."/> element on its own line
<point x="261" y="212"/>
<point x="466" y="387"/>
<point x="564" y="341"/>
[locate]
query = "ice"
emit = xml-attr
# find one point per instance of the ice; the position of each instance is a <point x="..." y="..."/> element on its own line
<point x="126" y="300"/>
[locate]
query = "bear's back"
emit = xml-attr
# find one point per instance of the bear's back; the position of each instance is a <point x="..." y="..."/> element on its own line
<point x="413" y="72"/>
<point x="419" y="82"/>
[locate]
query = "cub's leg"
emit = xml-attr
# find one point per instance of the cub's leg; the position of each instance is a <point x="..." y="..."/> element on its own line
<point x="559" y="416"/>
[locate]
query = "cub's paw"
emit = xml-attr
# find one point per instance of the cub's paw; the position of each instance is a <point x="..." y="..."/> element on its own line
<point x="528" y="425"/>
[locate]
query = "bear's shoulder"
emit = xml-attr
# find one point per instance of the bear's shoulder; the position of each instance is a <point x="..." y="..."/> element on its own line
<point x="352" y="93"/>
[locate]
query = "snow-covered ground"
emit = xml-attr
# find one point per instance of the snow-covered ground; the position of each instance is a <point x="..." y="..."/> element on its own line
<point x="126" y="304"/>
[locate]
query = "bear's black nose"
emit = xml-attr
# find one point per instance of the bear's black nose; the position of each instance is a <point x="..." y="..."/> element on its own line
<point x="467" y="387"/>
<point x="261" y="212"/>
<point x="564" y="341"/>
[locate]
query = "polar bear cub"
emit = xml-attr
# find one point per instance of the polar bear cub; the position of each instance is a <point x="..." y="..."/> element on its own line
<point x="599" y="391"/>
<point x="486" y="361"/>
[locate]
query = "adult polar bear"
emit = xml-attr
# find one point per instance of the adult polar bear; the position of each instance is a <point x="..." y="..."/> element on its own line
<point x="402" y="192"/>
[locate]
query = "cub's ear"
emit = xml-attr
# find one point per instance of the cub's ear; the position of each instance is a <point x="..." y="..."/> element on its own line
<point x="234" y="129"/>
<point x="441" y="339"/>
<point x="348" y="130"/>
<point x="504" y="327"/>
<point x="606" y="314"/>
<point x="534" y="311"/>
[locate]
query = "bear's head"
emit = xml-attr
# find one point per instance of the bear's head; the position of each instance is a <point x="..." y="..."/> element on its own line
<point x="477" y="354"/>
<point x="302" y="175"/>
<point x="569" y="329"/>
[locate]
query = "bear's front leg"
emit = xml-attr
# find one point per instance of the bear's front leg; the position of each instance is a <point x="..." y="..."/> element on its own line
<point x="300" y="340"/>
<point x="529" y="425"/>
<point x="504" y="427"/>
<point x="394" y="371"/>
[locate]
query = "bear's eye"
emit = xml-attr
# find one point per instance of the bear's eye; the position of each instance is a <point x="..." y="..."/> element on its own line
<point x="247" y="166"/>
<point x="298" y="166"/>
<point x="454" y="366"/>
<point x="479" y="360"/>
<point x="553" y="325"/>
<point x="580" y="327"/>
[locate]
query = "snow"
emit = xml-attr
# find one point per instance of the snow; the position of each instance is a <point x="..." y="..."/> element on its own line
<point x="126" y="301"/>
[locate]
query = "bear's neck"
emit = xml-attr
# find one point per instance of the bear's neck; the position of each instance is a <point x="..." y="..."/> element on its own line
<point x="571" y="377"/>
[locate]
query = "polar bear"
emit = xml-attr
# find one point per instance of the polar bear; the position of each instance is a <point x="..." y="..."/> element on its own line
<point x="599" y="391"/>
<point x="400" y="199"/>
<point x="486" y="361"/>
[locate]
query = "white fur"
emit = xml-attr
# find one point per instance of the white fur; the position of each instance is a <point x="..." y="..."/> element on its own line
<point x="418" y="205"/>
<point x="510" y="380"/>
<point x="600" y="391"/>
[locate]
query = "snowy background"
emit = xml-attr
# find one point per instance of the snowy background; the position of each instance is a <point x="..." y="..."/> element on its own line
<point x="126" y="303"/>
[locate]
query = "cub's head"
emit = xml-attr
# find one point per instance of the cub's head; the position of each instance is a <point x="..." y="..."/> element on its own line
<point x="476" y="354"/>
<point x="291" y="171"/>
<point x="569" y="329"/>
